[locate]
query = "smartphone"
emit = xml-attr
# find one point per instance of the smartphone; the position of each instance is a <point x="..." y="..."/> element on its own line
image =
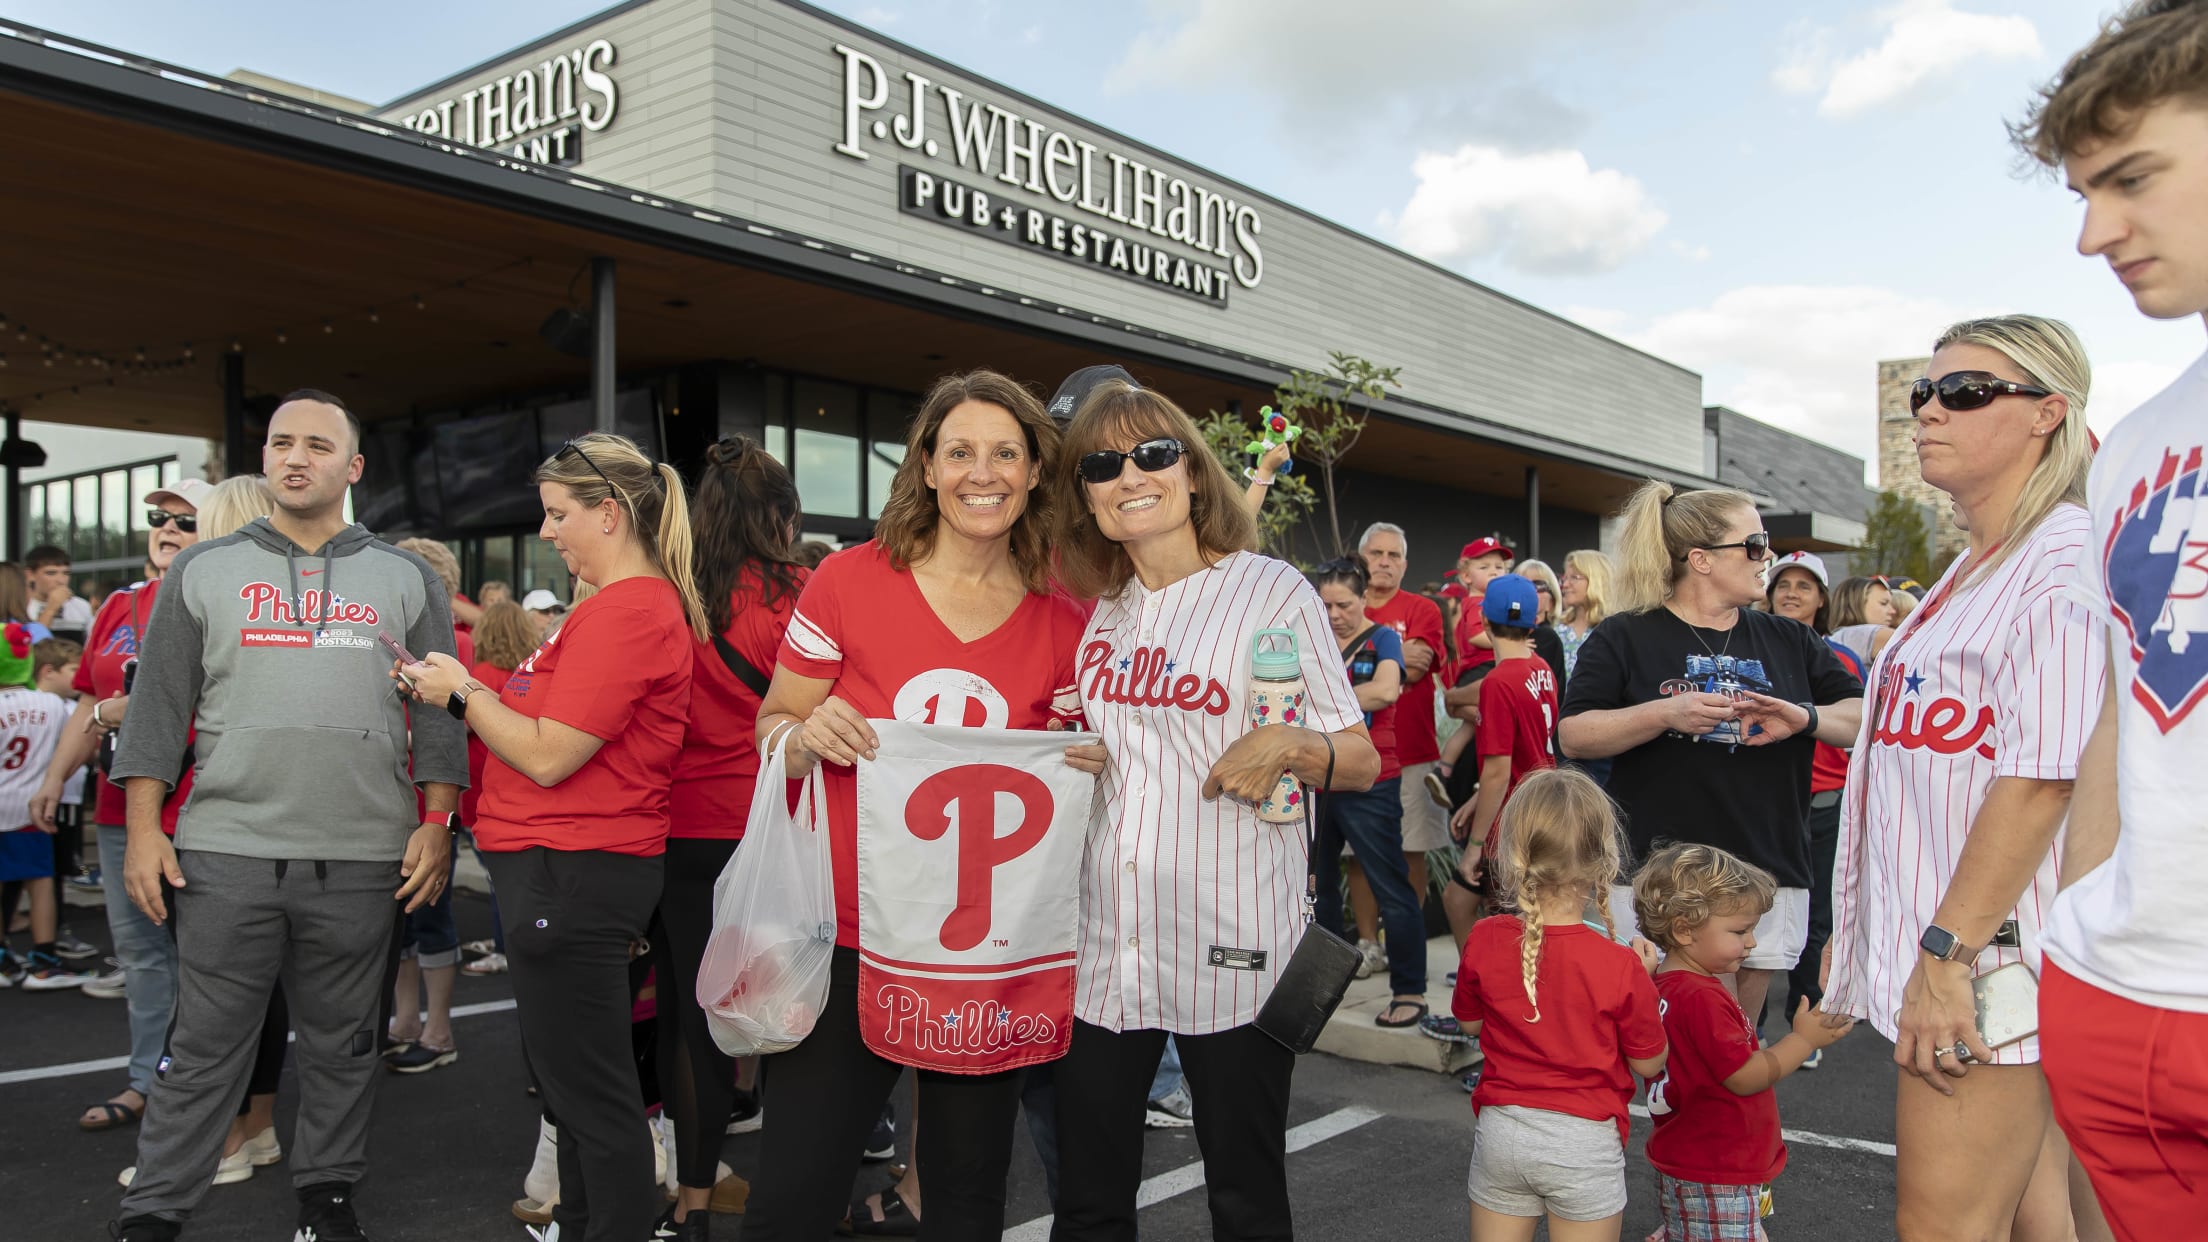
<point x="2008" y="1004"/>
<point x="399" y="653"/>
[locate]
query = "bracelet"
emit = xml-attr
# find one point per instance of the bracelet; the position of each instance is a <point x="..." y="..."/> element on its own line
<point x="1261" y="482"/>
<point x="96" y="717"/>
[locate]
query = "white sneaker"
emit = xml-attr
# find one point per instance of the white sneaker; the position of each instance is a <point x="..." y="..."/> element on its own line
<point x="259" y="1151"/>
<point x="1174" y="1111"/>
<point x="488" y="964"/>
<point x="663" y="1150"/>
<point x="105" y="987"/>
<point x="1374" y="959"/>
<point x="542" y="1183"/>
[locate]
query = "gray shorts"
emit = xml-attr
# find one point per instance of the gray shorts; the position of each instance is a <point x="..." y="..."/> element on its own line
<point x="1425" y="824"/>
<point x="1532" y="1162"/>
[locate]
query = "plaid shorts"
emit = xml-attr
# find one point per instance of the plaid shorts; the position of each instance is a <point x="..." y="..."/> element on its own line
<point x="1694" y="1212"/>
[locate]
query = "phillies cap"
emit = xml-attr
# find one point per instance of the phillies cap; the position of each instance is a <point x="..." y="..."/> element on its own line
<point x="1066" y="402"/>
<point x="191" y="491"/>
<point x="1511" y="600"/>
<point x="1810" y="561"/>
<point x="1481" y="547"/>
<point x="541" y="600"/>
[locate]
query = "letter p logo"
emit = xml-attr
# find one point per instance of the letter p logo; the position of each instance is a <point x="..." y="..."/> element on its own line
<point x="974" y="789"/>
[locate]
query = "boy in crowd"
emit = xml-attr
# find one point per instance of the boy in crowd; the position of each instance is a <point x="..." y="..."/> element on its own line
<point x="1481" y="562"/>
<point x="54" y="663"/>
<point x="52" y="603"/>
<point x="31" y="722"/>
<point x="2124" y="988"/>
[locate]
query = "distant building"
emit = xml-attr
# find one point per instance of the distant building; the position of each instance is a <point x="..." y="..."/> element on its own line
<point x="1897" y="454"/>
<point x="1811" y="494"/>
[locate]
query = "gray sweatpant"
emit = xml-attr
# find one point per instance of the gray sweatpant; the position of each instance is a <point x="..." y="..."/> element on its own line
<point x="324" y="929"/>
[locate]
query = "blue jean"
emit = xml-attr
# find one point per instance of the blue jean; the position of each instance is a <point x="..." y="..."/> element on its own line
<point x="432" y="935"/>
<point x="148" y="955"/>
<point x="1168" y="1078"/>
<point x="1371" y="824"/>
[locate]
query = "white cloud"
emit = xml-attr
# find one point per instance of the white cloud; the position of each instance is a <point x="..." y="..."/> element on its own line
<point x="2121" y="387"/>
<point x="1924" y="40"/>
<point x="877" y="17"/>
<point x="1699" y="254"/>
<point x="1547" y="212"/>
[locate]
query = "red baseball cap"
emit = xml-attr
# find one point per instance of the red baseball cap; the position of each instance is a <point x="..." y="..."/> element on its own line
<point x="1481" y="547"/>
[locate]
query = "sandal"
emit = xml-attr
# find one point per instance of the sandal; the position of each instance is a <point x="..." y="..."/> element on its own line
<point x="113" y="1116"/>
<point x="1418" y="1009"/>
<point x="897" y="1219"/>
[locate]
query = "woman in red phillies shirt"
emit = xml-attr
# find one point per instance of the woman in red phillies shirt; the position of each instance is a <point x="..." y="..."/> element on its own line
<point x="947" y="616"/>
<point x="745" y="520"/>
<point x="573" y="814"/>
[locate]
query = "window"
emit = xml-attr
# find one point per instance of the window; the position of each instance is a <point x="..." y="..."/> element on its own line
<point x="888" y="416"/>
<point x="143" y="481"/>
<point x="775" y="417"/>
<point x="115" y="522"/>
<point x="84" y="508"/>
<point x="825" y="447"/>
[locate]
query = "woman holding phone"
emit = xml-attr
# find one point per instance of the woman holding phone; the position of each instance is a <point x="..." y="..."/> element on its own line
<point x="573" y="815"/>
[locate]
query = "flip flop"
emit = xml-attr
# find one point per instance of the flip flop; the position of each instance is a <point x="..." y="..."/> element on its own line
<point x="1382" y="1019"/>
<point x="114" y="1116"/>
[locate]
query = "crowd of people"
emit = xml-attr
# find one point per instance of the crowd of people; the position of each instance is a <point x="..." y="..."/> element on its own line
<point x="1665" y="780"/>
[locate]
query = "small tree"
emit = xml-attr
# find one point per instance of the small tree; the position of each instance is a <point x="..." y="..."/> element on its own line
<point x="1319" y="402"/>
<point x="1896" y="539"/>
<point x="1288" y="502"/>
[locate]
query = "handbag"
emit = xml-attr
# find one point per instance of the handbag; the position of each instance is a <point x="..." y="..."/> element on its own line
<point x="1319" y="971"/>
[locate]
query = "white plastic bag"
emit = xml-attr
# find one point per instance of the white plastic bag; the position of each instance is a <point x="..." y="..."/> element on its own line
<point x="764" y="978"/>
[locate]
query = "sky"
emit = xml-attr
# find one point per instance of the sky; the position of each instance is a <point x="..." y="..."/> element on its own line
<point x="1775" y="194"/>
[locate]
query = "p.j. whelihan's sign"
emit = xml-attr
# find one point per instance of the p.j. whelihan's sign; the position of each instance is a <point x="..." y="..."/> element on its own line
<point x="537" y="113"/>
<point x="1010" y="156"/>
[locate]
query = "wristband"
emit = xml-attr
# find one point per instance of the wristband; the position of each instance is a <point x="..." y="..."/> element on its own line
<point x="1811" y="708"/>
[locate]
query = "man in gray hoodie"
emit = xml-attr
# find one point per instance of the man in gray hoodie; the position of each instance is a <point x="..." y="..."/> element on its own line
<point x="262" y="657"/>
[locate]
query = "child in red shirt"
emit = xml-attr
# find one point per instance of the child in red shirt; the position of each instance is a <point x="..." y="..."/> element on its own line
<point x="1479" y="566"/>
<point x="1716" y="1145"/>
<point x="1566" y="1016"/>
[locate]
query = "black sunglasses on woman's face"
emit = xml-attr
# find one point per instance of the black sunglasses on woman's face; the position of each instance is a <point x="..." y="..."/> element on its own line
<point x="1968" y="390"/>
<point x="1755" y="547"/>
<point x="1150" y="456"/>
<point x="158" y="518"/>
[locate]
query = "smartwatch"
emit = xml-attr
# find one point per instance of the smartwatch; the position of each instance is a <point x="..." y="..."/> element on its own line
<point x="1943" y="944"/>
<point x="1811" y="708"/>
<point x="457" y="705"/>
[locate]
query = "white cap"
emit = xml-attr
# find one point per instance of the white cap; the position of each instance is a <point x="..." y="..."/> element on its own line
<point x="541" y="600"/>
<point x="1810" y="561"/>
<point x="191" y="491"/>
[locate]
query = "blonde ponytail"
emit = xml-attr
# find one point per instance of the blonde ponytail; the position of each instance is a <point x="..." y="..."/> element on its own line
<point x="674" y="551"/>
<point x="1661" y="526"/>
<point x="601" y="465"/>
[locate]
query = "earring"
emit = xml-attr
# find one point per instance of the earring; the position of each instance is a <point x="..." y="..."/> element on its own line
<point x="609" y="530"/>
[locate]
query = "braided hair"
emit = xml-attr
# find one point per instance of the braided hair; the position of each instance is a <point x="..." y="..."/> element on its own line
<point x="1559" y="838"/>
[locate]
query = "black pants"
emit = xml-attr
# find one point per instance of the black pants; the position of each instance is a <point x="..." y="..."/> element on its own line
<point x="570" y="919"/>
<point x="1239" y="1081"/>
<point x="699" y="1079"/>
<point x="1824" y="844"/>
<point x="824" y="1097"/>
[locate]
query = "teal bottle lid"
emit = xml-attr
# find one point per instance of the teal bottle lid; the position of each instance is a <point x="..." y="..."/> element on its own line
<point x="1273" y="656"/>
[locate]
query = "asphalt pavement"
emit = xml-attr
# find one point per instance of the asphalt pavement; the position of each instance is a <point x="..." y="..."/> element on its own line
<point x="1380" y="1152"/>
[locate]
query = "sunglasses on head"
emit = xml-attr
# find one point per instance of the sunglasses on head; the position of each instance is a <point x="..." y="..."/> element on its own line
<point x="1755" y="547"/>
<point x="1968" y="390"/>
<point x="576" y="448"/>
<point x="1150" y="456"/>
<point x="158" y="518"/>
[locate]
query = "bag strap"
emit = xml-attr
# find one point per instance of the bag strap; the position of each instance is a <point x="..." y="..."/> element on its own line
<point x="746" y="672"/>
<point x="1358" y="644"/>
<point x="1311" y="835"/>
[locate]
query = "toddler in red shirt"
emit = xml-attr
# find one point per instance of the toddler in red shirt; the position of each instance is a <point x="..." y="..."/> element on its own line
<point x="1566" y="1016"/>
<point x="1716" y="1145"/>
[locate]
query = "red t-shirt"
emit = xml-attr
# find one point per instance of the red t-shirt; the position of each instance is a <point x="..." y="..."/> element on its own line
<point x="112" y="643"/>
<point x="1598" y="1007"/>
<point x="1470" y="621"/>
<point x="1453" y="589"/>
<point x="1418" y="618"/>
<point x="619" y="670"/>
<point x="1517" y="718"/>
<point x="720" y="754"/>
<point x="471" y="798"/>
<point x="1705" y="1133"/>
<point x="866" y="627"/>
<point x="1828" y="769"/>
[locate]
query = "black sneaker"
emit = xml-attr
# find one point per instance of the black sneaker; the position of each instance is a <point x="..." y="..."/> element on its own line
<point x="882" y="1144"/>
<point x="326" y="1214"/>
<point x="697" y="1227"/>
<point x="144" y="1229"/>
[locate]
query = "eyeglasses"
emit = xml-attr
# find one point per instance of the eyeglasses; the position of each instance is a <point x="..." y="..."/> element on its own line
<point x="158" y="518"/>
<point x="1968" y="390"/>
<point x="1150" y="456"/>
<point x="576" y="448"/>
<point x="1755" y="547"/>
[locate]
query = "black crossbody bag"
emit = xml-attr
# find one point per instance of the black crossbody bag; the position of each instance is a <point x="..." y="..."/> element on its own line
<point x="1319" y="971"/>
<point x="745" y="671"/>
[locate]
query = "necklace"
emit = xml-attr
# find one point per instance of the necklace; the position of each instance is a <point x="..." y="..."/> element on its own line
<point x="1696" y="630"/>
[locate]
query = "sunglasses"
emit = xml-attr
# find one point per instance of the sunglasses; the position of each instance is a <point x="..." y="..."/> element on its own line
<point x="1756" y="547"/>
<point x="1968" y="390"/>
<point x="1150" y="456"/>
<point x="158" y="518"/>
<point x="576" y="448"/>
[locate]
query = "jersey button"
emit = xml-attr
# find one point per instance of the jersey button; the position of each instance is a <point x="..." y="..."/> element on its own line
<point x="1134" y="942"/>
<point x="1130" y="868"/>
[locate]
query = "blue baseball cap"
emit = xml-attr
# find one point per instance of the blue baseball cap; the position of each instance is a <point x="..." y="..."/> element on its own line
<point x="1511" y="600"/>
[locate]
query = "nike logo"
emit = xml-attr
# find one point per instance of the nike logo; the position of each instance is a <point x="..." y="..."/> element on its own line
<point x="308" y="573"/>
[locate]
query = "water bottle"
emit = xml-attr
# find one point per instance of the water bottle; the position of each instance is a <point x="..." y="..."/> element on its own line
<point x="1277" y="697"/>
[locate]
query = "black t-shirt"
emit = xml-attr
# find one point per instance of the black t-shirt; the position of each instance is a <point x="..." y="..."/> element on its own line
<point x="1751" y="800"/>
<point x="1551" y="649"/>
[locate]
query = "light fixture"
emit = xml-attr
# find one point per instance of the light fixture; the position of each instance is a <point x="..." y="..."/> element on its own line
<point x="418" y="304"/>
<point x="328" y="328"/>
<point x="373" y="317"/>
<point x="281" y="339"/>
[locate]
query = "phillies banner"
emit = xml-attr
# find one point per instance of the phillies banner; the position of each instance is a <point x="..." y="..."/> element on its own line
<point x="969" y="849"/>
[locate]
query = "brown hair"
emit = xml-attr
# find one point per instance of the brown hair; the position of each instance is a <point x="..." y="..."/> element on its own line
<point x="1661" y="526"/>
<point x="504" y="637"/>
<point x="15" y="593"/>
<point x="1118" y="415"/>
<point x="1559" y="836"/>
<point x="2152" y="51"/>
<point x="1851" y="599"/>
<point x="599" y="465"/>
<point x="1681" y="887"/>
<point x="906" y="529"/>
<point x="440" y="558"/>
<point x="49" y="653"/>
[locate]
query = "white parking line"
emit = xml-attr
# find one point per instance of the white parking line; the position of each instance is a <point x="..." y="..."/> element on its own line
<point x="105" y="1064"/>
<point x="1810" y="1138"/>
<point x="1189" y="1176"/>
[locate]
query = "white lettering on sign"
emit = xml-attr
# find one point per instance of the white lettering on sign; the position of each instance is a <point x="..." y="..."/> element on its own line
<point x="1049" y="163"/>
<point x="536" y="114"/>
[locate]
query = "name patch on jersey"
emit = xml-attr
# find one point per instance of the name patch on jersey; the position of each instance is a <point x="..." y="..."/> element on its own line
<point x="1236" y="959"/>
<point x="1913" y="720"/>
<point x="2157" y="566"/>
<point x="1146" y="677"/>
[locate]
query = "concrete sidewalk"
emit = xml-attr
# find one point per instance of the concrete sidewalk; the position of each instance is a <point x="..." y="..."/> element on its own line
<point x="1351" y="1034"/>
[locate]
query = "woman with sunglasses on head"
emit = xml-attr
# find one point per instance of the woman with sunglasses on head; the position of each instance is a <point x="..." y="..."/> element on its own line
<point x="1861" y="616"/>
<point x="1961" y="780"/>
<point x="1547" y="643"/>
<point x="573" y="815"/>
<point x="1191" y="905"/>
<point x="947" y="616"/>
<point x="147" y="952"/>
<point x="1708" y="706"/>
